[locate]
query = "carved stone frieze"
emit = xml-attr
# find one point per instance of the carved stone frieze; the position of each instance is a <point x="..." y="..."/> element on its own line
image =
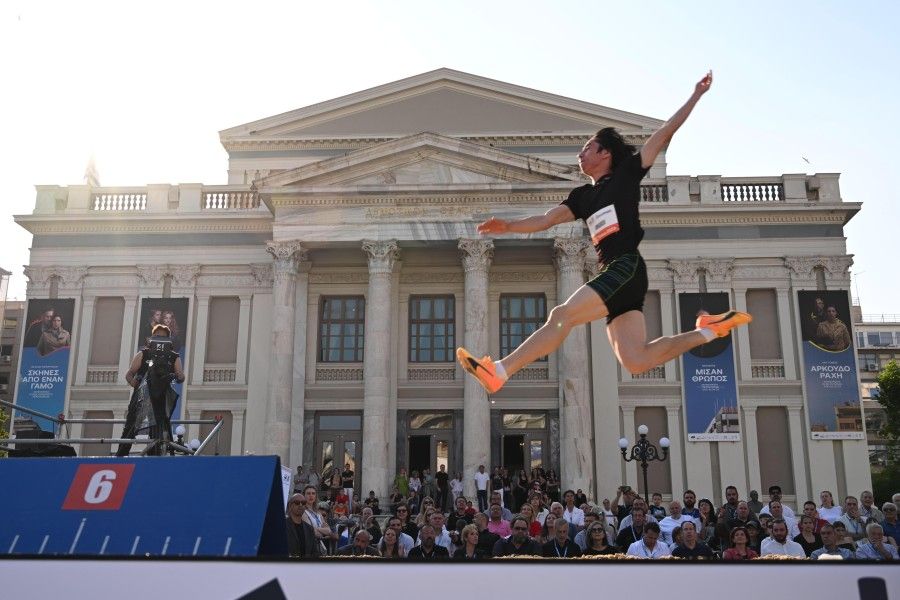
<point x="522" y="277"/>
<point x="262" y="274"/>
<point x="431" y="277"/>
<point x="687" y="271"/>
<point x="340" y="277"/>
<point x="804" y="266"/>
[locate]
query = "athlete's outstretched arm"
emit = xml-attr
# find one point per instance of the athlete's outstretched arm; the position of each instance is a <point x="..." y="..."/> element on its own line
<point x="663" y="135"/>
<point x="554" y="216"/>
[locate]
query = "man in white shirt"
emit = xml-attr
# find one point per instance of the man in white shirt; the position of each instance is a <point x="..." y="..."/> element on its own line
<point x="775" y="495"/>
<point x="648" y="546"/>
<point x="572" y="513"/>
<point x="482" y="480"/>
<point x="403" y="540"/>
<point x="675" y="519"/>
<point x="776" y="509"/>
<point x="779" y="543"/>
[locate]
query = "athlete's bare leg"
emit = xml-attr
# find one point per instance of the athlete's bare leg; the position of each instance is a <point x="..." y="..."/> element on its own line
<point x="628" y="338"/>
<point x="584" y="306"/>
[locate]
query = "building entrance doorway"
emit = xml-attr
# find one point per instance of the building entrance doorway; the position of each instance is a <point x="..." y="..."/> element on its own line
<point x="429" y="452"/>
<point x="338" y="443"/>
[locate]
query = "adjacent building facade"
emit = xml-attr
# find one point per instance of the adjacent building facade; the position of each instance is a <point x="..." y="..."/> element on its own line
<point x="330" y="280"/>
<point x="877" y="343"/>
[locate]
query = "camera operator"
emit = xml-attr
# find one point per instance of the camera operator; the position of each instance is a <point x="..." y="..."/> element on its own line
<point x="157" y="365"/>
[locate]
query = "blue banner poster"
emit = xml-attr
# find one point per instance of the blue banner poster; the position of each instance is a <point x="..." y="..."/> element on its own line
<point x="708" y="373"/>
<point x="44" y="364"/>
<point x="829" y="366"/>
<point x="173" y="313"/>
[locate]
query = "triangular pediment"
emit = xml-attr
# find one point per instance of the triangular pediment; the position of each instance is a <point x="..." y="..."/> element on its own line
<point x="421" y="159"/>
<point x="443" y="101"/>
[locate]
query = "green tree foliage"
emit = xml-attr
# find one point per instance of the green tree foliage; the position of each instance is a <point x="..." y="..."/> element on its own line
<point x="889" y="397"/>
<point x="886" y="481"/>
<point x="3" y="419"/>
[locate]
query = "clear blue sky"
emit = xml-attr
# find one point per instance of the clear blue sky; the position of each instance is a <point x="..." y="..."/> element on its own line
<point x="145" y="88"/>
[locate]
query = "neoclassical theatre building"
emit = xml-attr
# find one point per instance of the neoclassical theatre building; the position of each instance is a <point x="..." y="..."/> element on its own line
<point x="331" y="279"/>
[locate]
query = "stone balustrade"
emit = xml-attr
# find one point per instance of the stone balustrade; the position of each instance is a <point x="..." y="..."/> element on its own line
<point x="767" y="369"/>
<point x="198" y="198"/>
<point x="658" y="372"/>
<point x="219" y="373"/>
<point x="102" y="375"/>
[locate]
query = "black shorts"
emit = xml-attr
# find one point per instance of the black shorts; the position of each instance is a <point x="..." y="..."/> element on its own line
<point x="622" y="283"/>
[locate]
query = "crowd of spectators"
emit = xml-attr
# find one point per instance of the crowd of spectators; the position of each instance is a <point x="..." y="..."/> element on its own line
<point x="430" y="519"/>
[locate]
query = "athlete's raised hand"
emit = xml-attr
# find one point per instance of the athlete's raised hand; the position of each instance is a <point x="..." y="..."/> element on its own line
<point x="493" y="225"/>
<point x="704" y="84"/>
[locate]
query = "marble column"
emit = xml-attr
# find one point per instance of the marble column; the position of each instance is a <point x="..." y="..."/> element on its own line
<point x="576" y="451"/>
<point x="476" y="257"/>
<point x="376" y="367"/>
<point x="287" y="256"/>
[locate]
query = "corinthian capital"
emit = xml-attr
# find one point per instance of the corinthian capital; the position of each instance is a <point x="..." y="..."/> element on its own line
<point x="571" y="253"/>
<point x="382" y="256"/>
<point x="476" y="254"/>
<point x="287" y="255"/>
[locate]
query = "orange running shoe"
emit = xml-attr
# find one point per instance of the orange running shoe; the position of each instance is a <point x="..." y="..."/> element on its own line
<point x="482" y="369"/>
<point x="722" y="324"/>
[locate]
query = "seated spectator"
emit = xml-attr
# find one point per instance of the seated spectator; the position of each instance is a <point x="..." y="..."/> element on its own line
<point x="368" y="522"/>
<point x="827" y="510"/>
<point x="561" y="546"/>
<point x="741" y="517"/>
<point x="765" y="525"/>
<point x="874" y="547"/>
<point x="689" y="504"/>
<point x="648" y="546"/>
<point x="413" y="502"/>
<point x="591" y="517"/>
<point x="518" y="543"/>
<point x="776" y="509"/>
<point x="505" y="513"/>
<point x="407" y="526"/>
<point x="497" y="524"/>
<point x="648" y="518"/>
<point x="536" y="499"/>
<point x="868" y="510"/>
<point x="690" y="547"/>
<point x="676" y="538"/>
<point x="534" y="528"/>
<point x="548" y="531"/>
<point x="486" y="539"/>
<point x="427" y="550"/>
<point x="441" y="535"/>
<point x="360" y="546"/>
<point x="468" y="548"/>
<point x="633" y="532"/>
<point x="740" y="546"/>
<point x="807" y="538"/>
<point x="390" y="547"/>
<point x="891" y="525"/>
<point x="396" y="500"/>
<point x="460" y="515"/>
<point x="674" y="519"/>
<point x="729" y="509"/>
<point x="425" y="507"/>
<point x="775" y="496"/>
<point x="628" y="496"/>
<point x="844" y="540"/>
<point x="404" y="539"/>
<point x="580" y="498"/>
<point x="754" y="531"/>
<point x="779" y="543"/>
<point x="372" y="502"/>
<point x="557" y="510"/>
<point x="340" y="509"/>
<point x="571" y="513"/>
<point x="810" y="510"/>
<point x="597" y="540"/>
<point x="301" y="537"/>
<point x="853" y="522"/>
<point x="708" y="520"/>
<point x="829" y="545"/>
<point x="656" y="508"/>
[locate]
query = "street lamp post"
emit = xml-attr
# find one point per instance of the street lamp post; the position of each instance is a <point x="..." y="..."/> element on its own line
<point x="645" y="452"/>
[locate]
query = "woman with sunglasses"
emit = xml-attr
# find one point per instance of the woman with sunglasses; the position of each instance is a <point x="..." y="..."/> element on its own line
<point x="596" y="541"/>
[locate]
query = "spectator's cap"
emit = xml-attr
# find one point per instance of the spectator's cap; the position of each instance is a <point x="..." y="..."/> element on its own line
<point x="324" y="505"/>
<point x="754" y="524"/>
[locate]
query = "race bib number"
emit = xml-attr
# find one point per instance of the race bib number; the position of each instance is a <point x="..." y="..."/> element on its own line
<point x="603" y="223"/>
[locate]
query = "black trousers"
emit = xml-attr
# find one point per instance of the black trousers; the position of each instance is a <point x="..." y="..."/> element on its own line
<point x="163" y="429"/>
